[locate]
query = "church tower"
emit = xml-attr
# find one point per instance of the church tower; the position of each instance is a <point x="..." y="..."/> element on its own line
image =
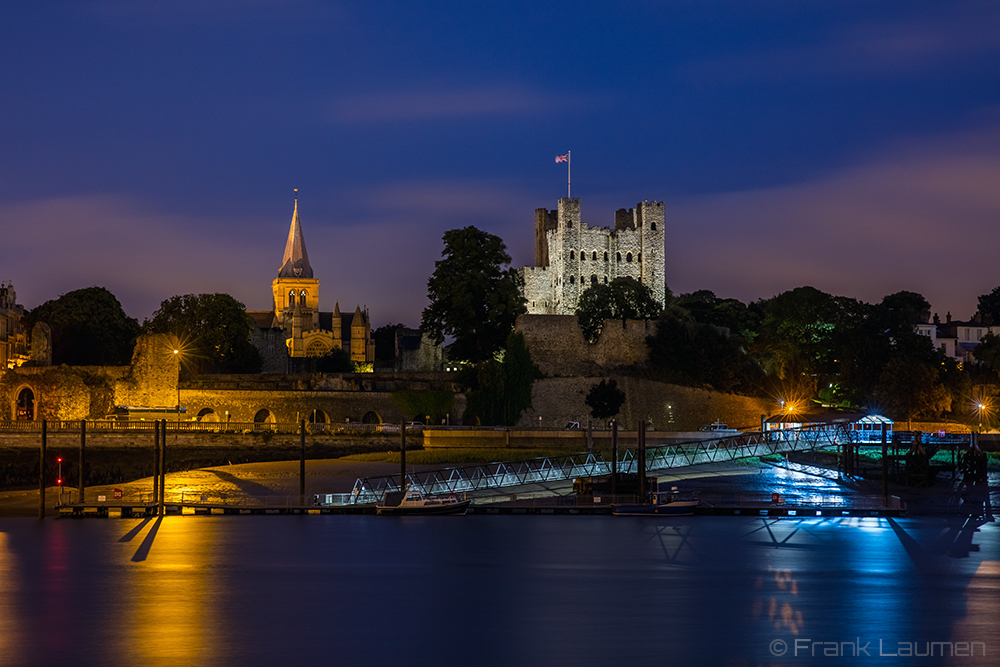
<point x="295" y="285"/>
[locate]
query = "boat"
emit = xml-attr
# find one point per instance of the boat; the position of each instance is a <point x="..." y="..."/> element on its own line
<point x="668" y="503"/>
<point x="412" y="502"/>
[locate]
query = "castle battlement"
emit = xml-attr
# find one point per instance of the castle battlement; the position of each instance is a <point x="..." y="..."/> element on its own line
<point x="580" y="255"/>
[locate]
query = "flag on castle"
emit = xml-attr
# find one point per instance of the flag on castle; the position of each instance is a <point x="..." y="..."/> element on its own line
<point x="562" y="158"/>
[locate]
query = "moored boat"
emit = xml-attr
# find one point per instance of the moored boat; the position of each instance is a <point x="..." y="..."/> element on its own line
<point x="413" y="502"/>
<point x="663" y="504"/>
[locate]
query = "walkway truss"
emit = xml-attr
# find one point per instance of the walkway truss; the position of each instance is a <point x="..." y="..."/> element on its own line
<point x="498" y="476"/>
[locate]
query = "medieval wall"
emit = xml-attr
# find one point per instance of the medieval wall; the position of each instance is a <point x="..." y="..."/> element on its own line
<point x="558" y="347"/>
<point x="668" y="407"/>
<point x="92" y="392"/>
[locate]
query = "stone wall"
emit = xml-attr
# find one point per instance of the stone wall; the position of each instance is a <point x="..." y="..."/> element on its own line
<point x="92" y="392"/>
<point x="558" y="347"/>
<point x="669" y="407"/>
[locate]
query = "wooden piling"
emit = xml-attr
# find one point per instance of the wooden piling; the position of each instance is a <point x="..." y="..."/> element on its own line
<point x="156" y="461"/>
<point x="83" y="449"/>
<point x="163" y="469"/>
<point x="402" y="455"/>
<point x="641" y="461"/>
<point x="302" y="463"/>
<point x="614" y="457"/>
<point x="41" y="472"/>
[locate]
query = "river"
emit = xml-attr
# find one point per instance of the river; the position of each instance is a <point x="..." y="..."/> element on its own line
<point x="497" y="590"/>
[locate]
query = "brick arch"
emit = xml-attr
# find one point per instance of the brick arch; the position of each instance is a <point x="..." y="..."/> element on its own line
<point x="25" y="405"/>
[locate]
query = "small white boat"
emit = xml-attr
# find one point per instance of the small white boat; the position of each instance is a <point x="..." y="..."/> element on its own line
<point x="413" y="502"/>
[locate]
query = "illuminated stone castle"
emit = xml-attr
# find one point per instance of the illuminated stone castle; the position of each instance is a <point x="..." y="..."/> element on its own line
<point x="13" y="338"/>
<point x="570" y="256"/>
<point x="295" y="327"/>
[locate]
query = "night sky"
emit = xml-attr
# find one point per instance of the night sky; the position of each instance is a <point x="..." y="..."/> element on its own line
<point x="153" y="147"/>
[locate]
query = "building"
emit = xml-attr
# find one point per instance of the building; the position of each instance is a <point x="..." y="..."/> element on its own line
<point x="13" y="338"/>
<point x="295" y="327"/>
<point x="571" y="256"/>
<point x="954" y="338"/>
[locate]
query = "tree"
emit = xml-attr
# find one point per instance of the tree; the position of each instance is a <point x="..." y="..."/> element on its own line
<point x="621" y="299"/>
<point x="89" y="328"/>
<point x="698" y="355"/>
<point x="503" y="385"/>
<point x="214" y="330"/>
<point x="337" y="360"/>
<point x="989" y="304"/>
<point x="605" y="399"/>
<point x="473" y="297"/>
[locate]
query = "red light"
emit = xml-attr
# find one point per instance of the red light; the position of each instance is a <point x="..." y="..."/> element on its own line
<point x="59" y="482"/>
<point x="59" y="459"/>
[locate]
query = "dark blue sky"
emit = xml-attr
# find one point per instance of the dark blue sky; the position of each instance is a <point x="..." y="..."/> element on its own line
<point x="153" y="147"/>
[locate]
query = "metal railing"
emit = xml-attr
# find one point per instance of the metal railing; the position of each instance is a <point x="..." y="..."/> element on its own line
<point x="114" y="425"/>
<point x="493" y="476"/>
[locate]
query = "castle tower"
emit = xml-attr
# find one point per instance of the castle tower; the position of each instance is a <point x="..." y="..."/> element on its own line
<point x="295" y="285"/>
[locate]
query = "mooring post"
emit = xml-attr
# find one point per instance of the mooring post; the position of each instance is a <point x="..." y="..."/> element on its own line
<point x="642" y="461"/>
<point x="156" y="461"/>
<point x="885" y="470"/>
<point x="41" y="473"/>
<point x="402" y="455"/>
<point x="83" y="448"/>
<point x="163" y="469"/>
<point x="302" y="463"/>
<point x="614" y="457"/>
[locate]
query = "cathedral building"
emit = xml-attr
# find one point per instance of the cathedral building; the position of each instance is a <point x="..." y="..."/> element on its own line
<point x="295" y="327"/>
<point x="570" y="255"/>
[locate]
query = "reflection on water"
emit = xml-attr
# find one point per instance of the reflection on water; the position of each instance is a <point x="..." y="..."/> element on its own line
<point x="488" y="590"/>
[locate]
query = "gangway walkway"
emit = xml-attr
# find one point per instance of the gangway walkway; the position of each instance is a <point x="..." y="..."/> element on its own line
<point x="498" y="476"/>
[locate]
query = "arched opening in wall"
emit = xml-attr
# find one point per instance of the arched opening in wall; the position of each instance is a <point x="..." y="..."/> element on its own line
<point x="371" y="417"/>
<point x="572" y="254"/>
<point x="291" y="298"/>
<point x="628" y="257"/>
<point x="317" y="348"/>
<point x="605" y="256"/>
<point x="605" y="280"/>
<point x="263" y="416"/>
<point x="207" y="415"/>
<point x="593" y="279"/>
<point x="572" y="280"/>
<point x="595" y="256"/>
<point x="652" y="226"/>
<point x="25" y="409"/>
<point x="619" y="257"/>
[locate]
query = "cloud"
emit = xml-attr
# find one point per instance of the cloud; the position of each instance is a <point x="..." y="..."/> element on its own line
<point x="922" y="218"/>
<point x="915" y="45"/>
<point x="442" y="104"/>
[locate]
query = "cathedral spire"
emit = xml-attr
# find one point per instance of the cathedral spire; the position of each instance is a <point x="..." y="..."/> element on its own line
<point x="295" y="263"/>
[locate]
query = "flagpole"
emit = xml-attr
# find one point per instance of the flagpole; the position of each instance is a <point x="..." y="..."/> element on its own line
<point x="569" y="163"/>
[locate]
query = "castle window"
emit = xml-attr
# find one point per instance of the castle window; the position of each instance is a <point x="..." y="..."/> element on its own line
<point x="595" y="256"/>
<point x="605" y="256"/>
<point x="583" y="279"/>
<point x="619" y="257"/>
<point x="572" y="254"/>
<point x="652" y="226"/>
<point x="572" y="279"/>
<point x="593" y="279"/>
<point x="640" y="256"/>
<point x="605" y="280"/>
<point x="569" y="224"/>
<point x="628" y="257"/>
<point x="583" y="256"/>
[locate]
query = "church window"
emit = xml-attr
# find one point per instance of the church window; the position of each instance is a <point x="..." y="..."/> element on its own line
<point x="302" y="296"/>
<point x="594" y="257"/>
<point x="572" y="279"/>
<point x="291" y="298"/>
<point x="605" y="255"/>
<point x="628" y="257"/>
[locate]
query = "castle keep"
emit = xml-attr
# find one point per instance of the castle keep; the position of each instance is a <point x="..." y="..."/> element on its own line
<point x="570" y="255"/>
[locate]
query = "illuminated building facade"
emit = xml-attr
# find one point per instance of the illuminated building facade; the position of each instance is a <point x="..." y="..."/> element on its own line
<point x="295" y="327"/>
<point x="13" y="338"/>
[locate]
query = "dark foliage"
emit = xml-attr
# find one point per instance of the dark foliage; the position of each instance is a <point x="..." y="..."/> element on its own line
<point x="605" y="399"/>
<point x="89" y="328"/>
<point x="503" y="386"/>
<point x="621" y="299"/>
